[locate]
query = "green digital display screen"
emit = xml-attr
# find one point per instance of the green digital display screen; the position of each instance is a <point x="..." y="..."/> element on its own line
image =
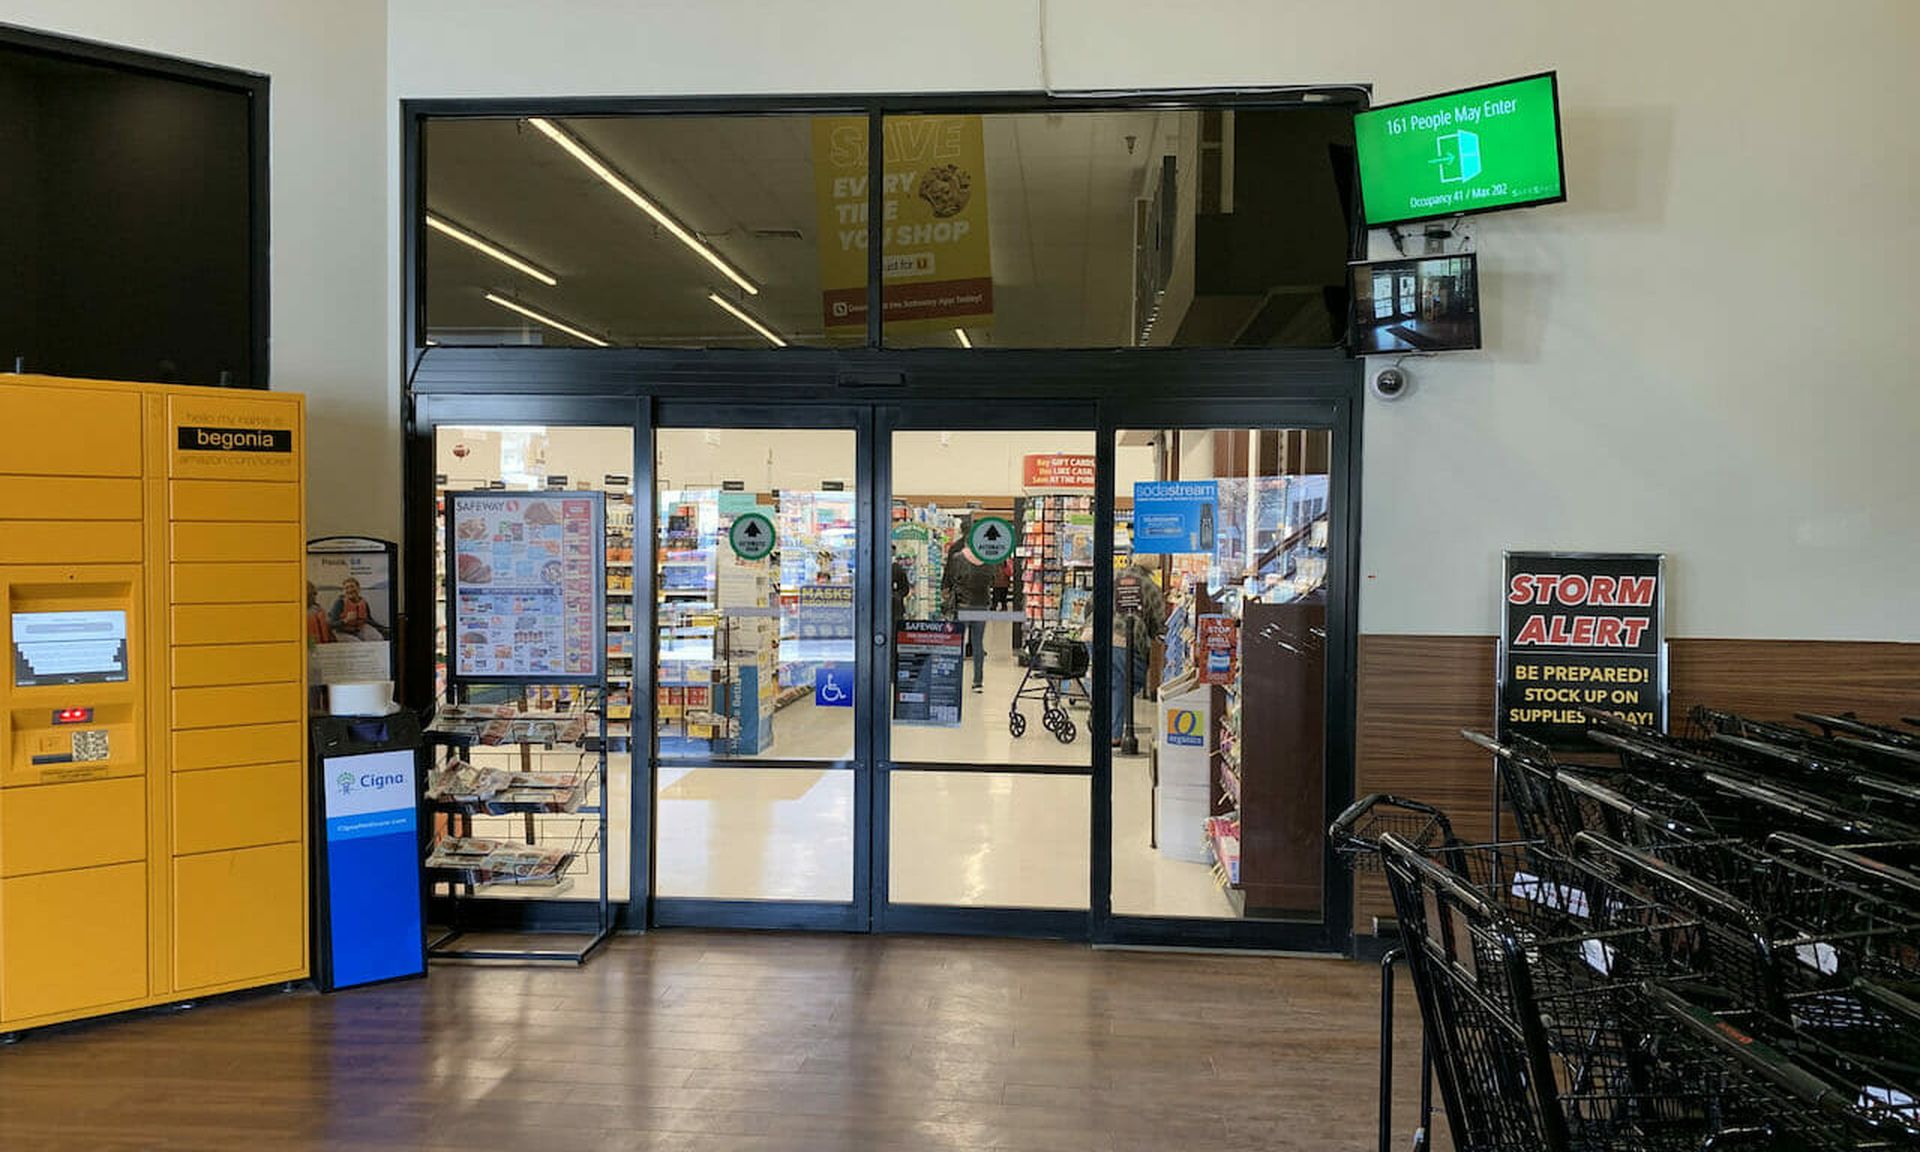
<point x="1476" y="150"/>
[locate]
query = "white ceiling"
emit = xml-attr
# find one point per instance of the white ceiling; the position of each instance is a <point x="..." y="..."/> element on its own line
<point x="1060" y="188"/>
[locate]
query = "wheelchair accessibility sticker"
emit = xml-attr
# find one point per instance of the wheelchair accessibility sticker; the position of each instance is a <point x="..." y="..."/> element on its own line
<point x="1186" y="728"/>
<point x="832" y="686"/>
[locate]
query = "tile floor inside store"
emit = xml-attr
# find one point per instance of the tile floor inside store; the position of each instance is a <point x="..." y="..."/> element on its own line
<point x="961" y="838"/>
<point x="703" y="1042"/>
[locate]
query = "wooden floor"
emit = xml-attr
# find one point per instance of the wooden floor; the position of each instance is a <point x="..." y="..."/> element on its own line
<point x="701" y="1042"/>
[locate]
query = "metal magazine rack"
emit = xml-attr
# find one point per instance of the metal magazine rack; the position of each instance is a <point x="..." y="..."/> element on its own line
<point x="472" y="868"/>
<point x="526" y="663"/>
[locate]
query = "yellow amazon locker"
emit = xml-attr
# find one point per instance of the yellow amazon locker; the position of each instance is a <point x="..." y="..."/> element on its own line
<point x="153" y="776"/>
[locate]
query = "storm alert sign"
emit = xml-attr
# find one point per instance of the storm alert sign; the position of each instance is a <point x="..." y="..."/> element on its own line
<point x="1581" y="630"/>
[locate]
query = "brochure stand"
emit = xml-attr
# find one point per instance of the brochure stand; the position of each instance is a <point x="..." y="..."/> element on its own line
<point x="526" y="617"/>
<point x="503" y="865"/>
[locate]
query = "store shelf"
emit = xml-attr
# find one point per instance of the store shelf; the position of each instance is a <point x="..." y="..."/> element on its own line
<point x="1225" y="847"/>
<point x="1278" y="750"/>
<point x="1230" y="782"/>
<point x="1055" y="541"/>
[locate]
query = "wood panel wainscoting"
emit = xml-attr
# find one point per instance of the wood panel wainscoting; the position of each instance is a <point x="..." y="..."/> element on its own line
<point x="1415" y="693"/>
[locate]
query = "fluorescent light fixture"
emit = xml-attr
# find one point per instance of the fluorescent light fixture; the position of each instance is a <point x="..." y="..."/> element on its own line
<point x="621" y="185"/>
<point x="447" y="228"/>
<point x="773" y="338"/>
<point x="962" y="333"/>
<point x="543" y="318"/>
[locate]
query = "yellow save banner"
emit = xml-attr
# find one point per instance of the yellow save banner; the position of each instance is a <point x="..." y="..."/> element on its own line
<point x="936" y="260"/>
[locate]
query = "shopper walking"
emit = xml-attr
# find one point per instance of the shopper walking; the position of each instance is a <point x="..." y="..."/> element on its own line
<point x="1133" y="644"/>
<point x="1003" y="586"/>
<point x="902" y="588"/>
<point x="967" y="585"/>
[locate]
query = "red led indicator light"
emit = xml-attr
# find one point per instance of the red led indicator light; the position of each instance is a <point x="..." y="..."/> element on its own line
<point x="73" y="716"/>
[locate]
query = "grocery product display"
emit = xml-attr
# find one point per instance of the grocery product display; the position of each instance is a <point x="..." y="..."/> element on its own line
<point x="1239" y="730"/>
<point x="921" y="536"/>
<point x="817" y="539"/>
<point x="740" y="636"/>
<point x="619" y="609"/>
<point x="1055" y="558"/>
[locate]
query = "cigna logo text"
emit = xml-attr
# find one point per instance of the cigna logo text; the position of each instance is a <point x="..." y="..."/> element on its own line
<point x="347" y="781"/>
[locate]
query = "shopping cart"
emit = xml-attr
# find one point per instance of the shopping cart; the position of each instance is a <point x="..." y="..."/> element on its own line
<point x="1848" y="764"/>
<point x="1355" y="838"/>
<point x="1783" y="922"/>
<point x="1781" y="1084"/>
<point x="1836" y="775"/>
<point x="1728" y="944"/>
<point x="1835" y="914"/>
<point x="1704" y="723"/>
<point x="1849" y="725"/>
<point x="1728" y="956"/>
<point x="1743" y="797"/>
<point x="1056" y="672"/>
<point x="1635" y="810"/>
<point x="1529" y="970"/>
<point x="1528" y="778"/>
<point x="1844" y="741"/>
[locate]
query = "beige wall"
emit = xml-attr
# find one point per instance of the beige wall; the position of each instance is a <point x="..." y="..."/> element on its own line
<point x="327" y="164"/>
<point x="1708" y="351"/>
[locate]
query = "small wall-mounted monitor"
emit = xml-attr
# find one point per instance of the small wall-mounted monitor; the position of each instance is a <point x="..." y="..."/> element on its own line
<point x="1427" y="304"/>
<point x="1476" y="150"/>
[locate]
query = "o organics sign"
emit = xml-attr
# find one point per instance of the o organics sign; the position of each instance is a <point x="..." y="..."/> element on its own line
<point x="1186" y="727"/>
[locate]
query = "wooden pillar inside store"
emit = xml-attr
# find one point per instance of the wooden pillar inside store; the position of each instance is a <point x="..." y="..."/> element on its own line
<point x="1316" y="456"/>
<point x="1230" y="450"/>
<point x="1273" y="456"/>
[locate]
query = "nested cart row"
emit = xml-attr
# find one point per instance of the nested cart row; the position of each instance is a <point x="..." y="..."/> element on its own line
<point x="1709" y="940"/>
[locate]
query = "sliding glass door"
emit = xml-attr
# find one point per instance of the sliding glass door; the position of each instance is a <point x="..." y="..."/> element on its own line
<point x="993" y="721"/>
<point x="1231" y="557"/>
<point x="1075" y="669"/>
<point x="760" y="545"/>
